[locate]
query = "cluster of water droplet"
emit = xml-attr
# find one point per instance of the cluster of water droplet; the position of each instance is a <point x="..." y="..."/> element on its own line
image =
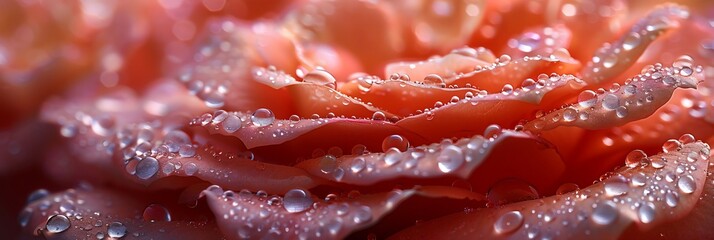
<point x="297" y="213"/>
<point x="629" y="194"/>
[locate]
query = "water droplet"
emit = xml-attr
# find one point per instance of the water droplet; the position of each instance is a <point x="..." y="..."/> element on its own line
<point x="671" y="145"/>
<point x="57" y="223"/>
<point x="116" y="230"/>
<point x="37" y="194"/>
<point x="686" y="71"/>
<point x="232" y="123"/>
<point x="297" y="200"/>
<point x="450" y="159"/>
<point x="631" y="41"/>
<point x="509" y="191"/>
<point x="610" y="101"/>
<point x="669" y="80"/>
<point x="621" y="112"/>
<point x="492" y="131"/>
<point x="147" y="168"/>
<point x="570" y="114"/>
<point x="357" y="165"/>
<point x="156" y="213"/>
<point x="646" y="213"/>
<point x="362" y="214"/>
<point x="262" y="117"/>
<point x="605" y="213"/>
<point x="635" y="158"/>
<point x="616" y="186"/>
<point x="687" y="138"/>
<point x="435" y="80"/>
<point x="395" y="141"/>
<point x="587" y="98"/>
<point x="671" y="198"/>
<point x="609" y="61"/>
<point x="379" y="116"/>
<point x="328" y="163"/>
<point x="507" y="89"/>
<point x="24" y="217"/>
<point x="508" y="222"/>
<point x="686" y="184"/>
<point x="392" y="156"/>
<point x="321" y="77"/>
<point x="187" y="150"/>
<point x="638" y="180"/>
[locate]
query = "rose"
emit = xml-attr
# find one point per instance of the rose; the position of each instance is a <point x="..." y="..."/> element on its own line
<point x="354" y="154"/>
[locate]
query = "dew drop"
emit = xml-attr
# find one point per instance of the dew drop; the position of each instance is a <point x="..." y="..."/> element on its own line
<point x="297" y="200"/>
<point x="362" y="214"/>
<point x="328" y="163"/>
<point x="686" y="184"/>
<point x="147" y="168"/>
<point x="116" y="230"/>
<point x="631" y="41"/>
<point x="357" y="165"/>
<point x="671" y="145"/>
<point x="669" y="80"/>
<point x="434" y="80"/>
<point x="510" y="191"/>
<point x="605" y="213"/>
<point x="508" y="222"/>
<point x="320" y="77"/>
<point x="616" y="186"/>
<point x="24" y="217"/>
<point x="587" y="98"/>
<point x="635" y="158"/>
<point x="262" y="117"/>
<point x="232" y="123"/>
<point x="570" y="114"/>
<point x="638" y="180"/>
<point x="156" y="213"/>
<point x="504" y="59"/>
<point x="507" y="89"/>
<point x="621" y="112"/>
<point x="57" y="223"/>
<point x="687" y="138"/>
<point x="379" y="116"/>
<point x="686" y="71"/>
<point x="450" y="159"/>
<point x="395" y="141"/>
<point x="609" y="61"/>
<point x="646" y="213"/>
<point x="392" y="156"/>
<point x="610" y="101"/>
<point x="672" y="199"/>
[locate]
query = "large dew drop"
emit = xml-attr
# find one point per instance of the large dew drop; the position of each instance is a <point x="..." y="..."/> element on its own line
<point x="156" y="213"/>
<point x="605" y="213"/>
<point x="116" y="230"/>
<point x="395" y="141"/>
<point x="587" y="98"/>
<point x="686" y="184"/>
<point x="57" y="224"/>
<point x="232" y="123"/>
<point x="147" y="168"/>
<point x="262" y="117"/>
<point x="635" y="158"/>
<point x="450" y="159"/>
<point x="297" y="200"/>
<point x="508" y="222"/>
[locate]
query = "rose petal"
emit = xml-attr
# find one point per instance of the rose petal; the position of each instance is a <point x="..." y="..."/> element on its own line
<point x="637" y="196"/>
<point x="613" y="59"/>
<point x="637" y="99"/>
<point x="478" y="159"/>
<point x="98" y="213"/>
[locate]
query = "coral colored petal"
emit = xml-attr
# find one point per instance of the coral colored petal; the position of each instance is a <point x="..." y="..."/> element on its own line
<point x="644" y="197"/>
<point x="402" y="97"/>
<point x="462" y="60"/>
<point x="507" y="71"/>
<point x="506" y="109"/>
<point x="641" y="96"/>
<point x="541" y="41"/>
<point x="100" y="213"/>
<point x="247" y="215"/>
<point x="613" y="59"/>
<point x="220" y="72"/>
<point x="482" y="160"/>
<point x="316" y="97"/>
